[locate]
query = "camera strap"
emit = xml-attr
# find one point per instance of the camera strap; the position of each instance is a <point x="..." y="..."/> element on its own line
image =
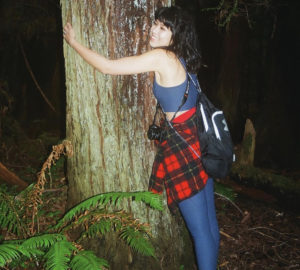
<point x="156" y="110"/>
<point x="184" y="98"/>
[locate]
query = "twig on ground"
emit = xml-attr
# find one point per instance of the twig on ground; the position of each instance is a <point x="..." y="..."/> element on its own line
<point x="225" y="198"/>
<point x="226" y="235"/>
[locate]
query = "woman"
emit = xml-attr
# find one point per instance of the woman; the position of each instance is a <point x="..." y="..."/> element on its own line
<point x="174" y="53"/>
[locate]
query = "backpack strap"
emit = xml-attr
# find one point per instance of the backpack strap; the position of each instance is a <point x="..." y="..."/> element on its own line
<point x="184" y="98"/>
<point x="197" y="85"/>
<point x="190" y="77"/>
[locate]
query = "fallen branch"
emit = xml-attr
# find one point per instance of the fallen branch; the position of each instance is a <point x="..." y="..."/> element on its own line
<point x="11" y="178"/>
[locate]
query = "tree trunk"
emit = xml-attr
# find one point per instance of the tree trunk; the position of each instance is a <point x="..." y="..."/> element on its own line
<point x="229" y="83"/>
<point x="107" y="118"/>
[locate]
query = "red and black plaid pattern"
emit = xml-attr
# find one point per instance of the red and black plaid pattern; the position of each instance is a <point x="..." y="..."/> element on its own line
<point x="176" y="166"/>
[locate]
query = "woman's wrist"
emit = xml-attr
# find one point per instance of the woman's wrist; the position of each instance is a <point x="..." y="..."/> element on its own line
<point x="72" y="42"/>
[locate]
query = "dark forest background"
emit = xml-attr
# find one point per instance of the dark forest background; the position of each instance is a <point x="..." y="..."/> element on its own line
<point x="250" y="55"/>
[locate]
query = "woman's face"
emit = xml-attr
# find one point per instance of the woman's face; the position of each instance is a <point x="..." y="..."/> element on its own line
<point x="160" y="35"/>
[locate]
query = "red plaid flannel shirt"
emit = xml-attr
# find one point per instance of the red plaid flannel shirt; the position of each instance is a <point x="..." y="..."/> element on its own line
<point x="176" y="166"/>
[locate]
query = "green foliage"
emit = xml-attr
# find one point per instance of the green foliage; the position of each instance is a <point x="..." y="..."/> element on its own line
<point x="42" y="241"/>
<point x="58" y="256"/>
<point x="88" y="261"/>
<point x="153" y="200"/>
<point x="53" y="249"/>
<point x="103" y="226"/>
<point x="8" y="252"/>
<point x="36" y="245"/>
<point x="31" y="248"/>
<point x="136" y="240"/>
<point x="227" y="10"/>
<point x="50" y="248"/>
<point x="11" y="213"/>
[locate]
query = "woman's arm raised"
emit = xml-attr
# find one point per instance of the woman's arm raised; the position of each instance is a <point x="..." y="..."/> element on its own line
<point x="149" y="61"/>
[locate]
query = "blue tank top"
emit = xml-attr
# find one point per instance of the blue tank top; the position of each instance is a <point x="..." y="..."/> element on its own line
<point x="170" y="98"/>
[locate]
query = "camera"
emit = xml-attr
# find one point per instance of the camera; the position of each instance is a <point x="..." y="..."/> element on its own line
<point x="154" y="132"/>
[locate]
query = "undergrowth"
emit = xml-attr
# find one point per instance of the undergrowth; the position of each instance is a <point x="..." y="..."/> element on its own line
<point x="27" y="243"/>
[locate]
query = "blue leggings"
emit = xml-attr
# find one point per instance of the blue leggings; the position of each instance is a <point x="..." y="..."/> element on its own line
<point x="200" y="217"/>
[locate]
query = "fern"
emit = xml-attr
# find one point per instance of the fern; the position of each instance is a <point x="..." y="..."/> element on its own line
<point x="10" y="211"/>
<point x="11" y="252"/>
<point x="8" y="252"/>
<point x="58" y="256"/>
<point x="19" y="215"/>
<point x="42" y="241"/>
<point x="87" y="260"/>
<point x="154" y="201"/>
<point x="103" y="226"/>
<point x="137" y="241"/>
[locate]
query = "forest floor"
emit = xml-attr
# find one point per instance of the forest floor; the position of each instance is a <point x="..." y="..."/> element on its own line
<point x="257" y="235"/>
<point x="256" y="232"/>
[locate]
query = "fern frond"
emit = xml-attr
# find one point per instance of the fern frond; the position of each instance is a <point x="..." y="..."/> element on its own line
<point x="12" y="252"/>
<point x="58" y="256"/>
<point x="10" y="211"/>
<point x="84" y="219"/>
<point x="87" y="260"/>
<point x="8" y="252"/>
<point x="31" y="252"/>
<point x="154" y="201"/>
<point x="103" y="226"/>
<point x="42" y="241"/>
<point x="137" y="241"/>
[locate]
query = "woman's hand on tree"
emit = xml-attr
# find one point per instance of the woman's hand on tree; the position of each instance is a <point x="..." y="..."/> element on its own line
<point x="69" y="34"/>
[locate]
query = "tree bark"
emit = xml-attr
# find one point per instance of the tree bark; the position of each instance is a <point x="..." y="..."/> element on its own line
<point x="229" y="84"/>
<point x="107" y="118"/>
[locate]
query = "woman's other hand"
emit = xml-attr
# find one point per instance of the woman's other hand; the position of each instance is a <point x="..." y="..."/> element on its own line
<point x="69" y="34"/>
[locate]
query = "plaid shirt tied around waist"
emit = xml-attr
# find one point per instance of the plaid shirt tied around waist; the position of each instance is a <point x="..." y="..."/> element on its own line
<point x="176" y="166"/>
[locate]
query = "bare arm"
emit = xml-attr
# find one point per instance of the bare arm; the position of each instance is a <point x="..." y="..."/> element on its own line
<point x="150" y="61"/>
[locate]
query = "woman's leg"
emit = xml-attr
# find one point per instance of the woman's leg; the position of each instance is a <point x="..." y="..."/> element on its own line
<point x="210" y="199"/>
<point x="199" y="215"/>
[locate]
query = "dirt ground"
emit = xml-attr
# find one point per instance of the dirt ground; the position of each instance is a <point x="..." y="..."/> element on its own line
<point x="257" y="235"/>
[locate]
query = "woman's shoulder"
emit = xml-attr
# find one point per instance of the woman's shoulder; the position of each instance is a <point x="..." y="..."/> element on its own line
<point x="162" y="54"/>
<point x="170" y="70"/>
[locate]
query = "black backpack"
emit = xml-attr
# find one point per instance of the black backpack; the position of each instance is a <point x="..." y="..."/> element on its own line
<point x="215" y="141"/>
<point x="217" y="153"/>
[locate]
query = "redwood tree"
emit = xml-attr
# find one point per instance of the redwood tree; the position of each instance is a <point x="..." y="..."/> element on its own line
<point x="107" y="118"/>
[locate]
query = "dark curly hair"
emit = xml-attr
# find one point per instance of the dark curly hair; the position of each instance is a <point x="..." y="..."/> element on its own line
<point x="184" y="40"/>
